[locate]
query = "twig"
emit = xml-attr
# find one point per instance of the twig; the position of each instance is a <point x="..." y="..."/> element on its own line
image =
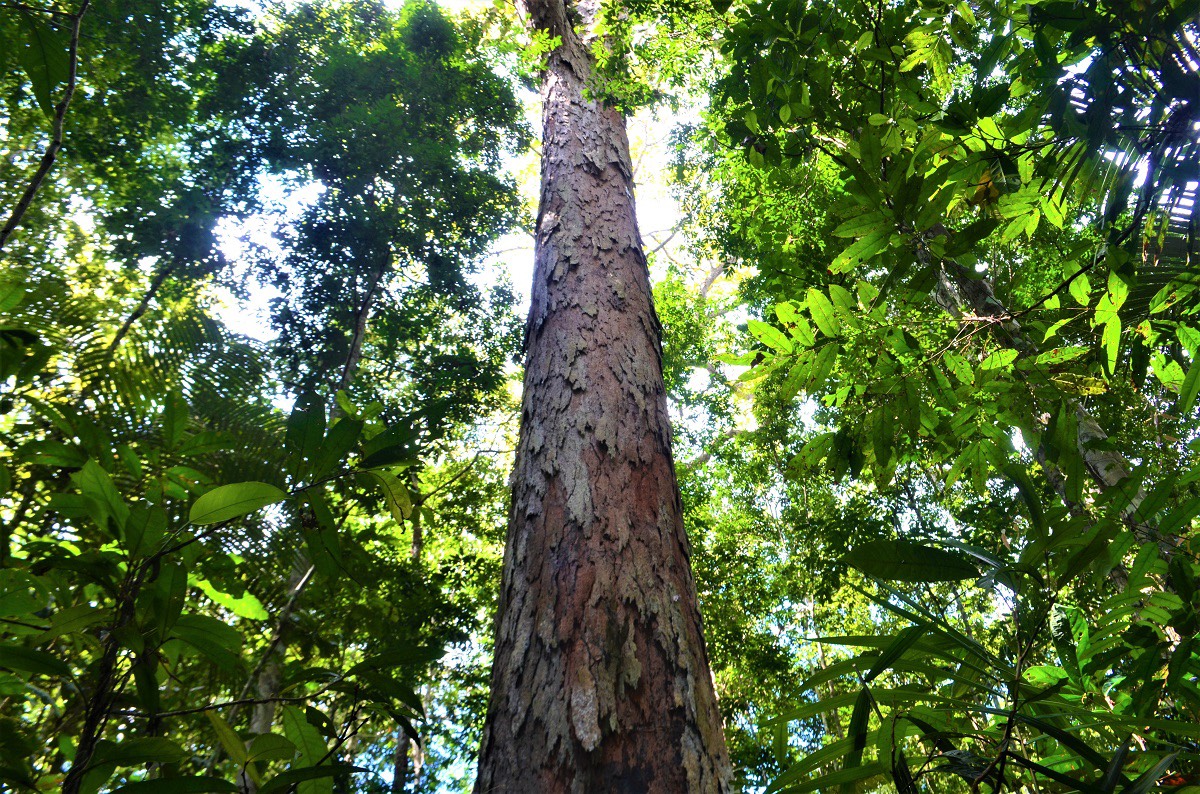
<point x="56" y="138"/>
<point x="229" y="704"/>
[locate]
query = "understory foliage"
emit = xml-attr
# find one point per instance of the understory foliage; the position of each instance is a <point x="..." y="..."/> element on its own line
<point x="204" y="532"/>
<point x="963" y="239"/>
<point x="930" y="347"/>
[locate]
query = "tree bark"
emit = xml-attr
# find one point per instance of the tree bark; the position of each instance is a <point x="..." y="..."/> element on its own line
<point x="600" y="680"/>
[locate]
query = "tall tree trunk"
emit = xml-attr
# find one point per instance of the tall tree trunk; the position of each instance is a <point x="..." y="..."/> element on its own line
<point x="600" y="680"/>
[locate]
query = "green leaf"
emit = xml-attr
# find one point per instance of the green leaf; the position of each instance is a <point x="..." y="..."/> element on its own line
<point x="292" y="777"/>
<point x="1080" y="289"/>
<point x="398" y="658"/>
<point x="271" y="747"/>
<point x="1112" y="775"/>
<point x="311" y="746"/>
<point x="216" y="639"/>
<point x="1020" y="478"/>
<point x="321" y="538"/>
<point x="822" y="312"/>
<point x="1068" y="629"/>
<point x="839" y="778"/>
<point x="1148" y="780"/>
<point x="103" y="497"/>
<point x="395" y="493"/>
<point x="903" y="641"/>
<point x="71" y="620"/>
<point x="232" y="501"/>
<point x="45" y="59"/>
<point x="902" y="561"/>
<point x="862" y="250"/>
<point x="304" y="735"/>
<point x="770" y="336"/>
<point x="305" y="430"/>
<point x="1190" y="387"/>
<point x="21" y="593"/>
<point x="987" y="125"/>
<point x="339" y="440"/>
<point x="998" y="359"/>
<point x="26" y="660"/>
<point x="248" y="606"/>
<point x="182" y="785"/>
<point x="1060" y="355"/>
<point x="863" y="225"/>
<point x="134" y="752"/>
<point x="170" y="590"/>
<point x="1112" y="345"/>
<point x="145" y="529"/>
<point x="229" y="739"/>
<point x="859" y="720"/>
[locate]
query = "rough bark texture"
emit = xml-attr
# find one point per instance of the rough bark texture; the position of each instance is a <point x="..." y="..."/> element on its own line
<point x="601" y="679"/>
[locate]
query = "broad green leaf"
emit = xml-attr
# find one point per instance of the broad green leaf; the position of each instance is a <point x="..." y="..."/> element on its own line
<point x="899" y="646"/>
<point x="802" y="332"/>
<point x="340" y="438"/>
<point x="145" y="750"/>
<point x="248" y="606"/>
<point x="987" y="126"/>
<point x="71" y="620"/>
<point x="316" y="774"/>
<point x="395" y="493"/>
<point x="310" y="745"/>
<point x="232" y="744"/>
<point x="903" y="561"/>
<point x="233" y="501"/>
<point x="1053" y="330"/>
<point x="839" y="778"/>
<point x="1190" y="386"/>
<point x="822" y="312"/>
<point x="45" y="59"/>
<point x="398" y="658"/>
<point x="21" y="593"/>
<point x="217" y="640"/>
<point x="270" y="747"/>
<point x="822" y="366"/>
<point x="1112" y="344"/>
<point x="998" y="359"/>
<point x="26" y="660"/>
<point x="305" y="430"/>
<point x="321" y="539"/>
<point x="1060" y="355"/>
<point x="177" y="785"/>
<point x="860" y="719"/>
<point x="842" y="298"/>
<point x="1080" y="289"/>
<point x="862" y="250"/>
<point x="105" y="500"/>
<point x="1069" y="632"/>
<point x="1019" y="477"/>
<point x="862" y="225"/>
<point x="770" y="336"/>
<point x="145" y="529"/>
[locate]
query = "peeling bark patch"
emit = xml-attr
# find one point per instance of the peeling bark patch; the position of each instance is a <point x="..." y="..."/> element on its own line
<point x="584" y="714"/>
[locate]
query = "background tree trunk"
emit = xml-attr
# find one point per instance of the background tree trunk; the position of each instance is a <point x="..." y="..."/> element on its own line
<point x="601" y="680"/>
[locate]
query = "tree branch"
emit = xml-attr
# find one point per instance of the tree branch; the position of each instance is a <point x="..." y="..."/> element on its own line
<point x="56" y="137"/>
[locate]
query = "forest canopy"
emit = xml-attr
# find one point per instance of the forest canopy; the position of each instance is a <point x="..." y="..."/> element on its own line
<point x="929" y="325"/>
